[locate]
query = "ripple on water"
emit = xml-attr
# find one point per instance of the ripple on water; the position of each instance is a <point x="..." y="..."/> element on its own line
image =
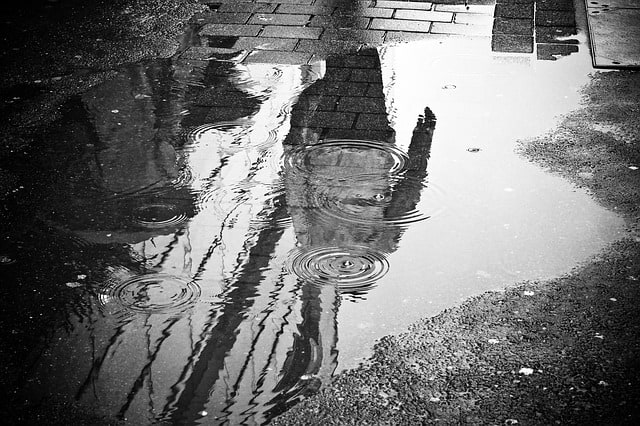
<point x="346" y="158"/>
<point x="362" y="182"/>
<point x="159" y="215"/>
<point x="152" y="294"/>
<point x="231" y="136"/>
<point x="352" y="269"/>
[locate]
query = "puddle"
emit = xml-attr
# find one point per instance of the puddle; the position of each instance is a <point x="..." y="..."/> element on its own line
<point x="233" y="235"/>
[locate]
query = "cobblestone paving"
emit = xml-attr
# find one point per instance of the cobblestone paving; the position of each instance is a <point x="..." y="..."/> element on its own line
<point x="296" y="31"/>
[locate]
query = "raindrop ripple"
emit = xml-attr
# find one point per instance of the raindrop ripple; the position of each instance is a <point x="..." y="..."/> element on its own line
<point x="153" y="294"/>
<point x="352" y="269"/>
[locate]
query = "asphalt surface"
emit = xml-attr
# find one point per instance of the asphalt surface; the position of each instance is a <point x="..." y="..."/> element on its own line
<point x="564" y="351"/>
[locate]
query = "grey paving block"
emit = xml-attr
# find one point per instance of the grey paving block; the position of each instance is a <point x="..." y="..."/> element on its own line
<point x="460" y="29"/>
<point x="247" y="7"/>
<point x="517" y="10"/>
<point x="335" y="120"/>
<point x="358" y="35"/>
<point x="404" y="5"/>
<point x="361" y="104"/>
<point x="566" y="5"/>
<point x="305" y="10"/>
<point x="554" y="18"/>
<point x="279" y="19"/>
<point x="373" y="122"/>
<point x="513" y="26"/>
<point x="561" y="35"/>
<point x="615" y="37"/>
<point x="298" y="2"/>
<point x="400" y="25"/>
<point x="368" y="12"/>
<point x="424" y="15"/>
<point x="228" y="18"/>
<point x="230" y="30"/>
<point x="340" y="88"/>
<point x="512" y="43"/>
<point x="551" y="52"/>
<point x="473" y="9"/>
<point x="335" y="21"/>
<point x="323" y="48"/>
<point x="278" y="57"/>
<point x="473" y="19"/>
<point x="403" y="37"/>
<point x="371" y="75"/>
<point x="285" y="31"/>
<point x="266" y="43"/>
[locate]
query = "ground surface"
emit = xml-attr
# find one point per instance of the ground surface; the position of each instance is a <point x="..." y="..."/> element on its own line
<point x="564" y="351"/>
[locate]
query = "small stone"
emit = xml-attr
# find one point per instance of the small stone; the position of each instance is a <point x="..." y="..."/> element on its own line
<point x="528" y="293"/>
<point x="73" y="284"/>
<point x="493" y="341"/>
<point x="633" y="167"/>
<point x="613" y="299"/>
<point x="434" y="399"/>
<point x="526" y="371"/>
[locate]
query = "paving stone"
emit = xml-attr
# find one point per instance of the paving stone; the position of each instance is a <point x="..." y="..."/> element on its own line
<point x="363" y="36"/>
<point x="552" y="18"/>
<point x="360" y="134"/>
<point x="298" y="2"/>
<point x="370" y="75"/>
<point x="279" y="19"/>
<point x="460" y="29"/>
<point x="320" y="102"/>
<point x="403" y="37"/>
<point x="227" y="18"/>
<point x="561" y="35"/>
<point x="339" y="22"/>
<point x="513" y="26"/>
<point x="359" y="62"/>
<point x="335" y="120"/>
<point x="305" y="10"/>
<point x="400" y="25"/>
<point x="566" y="5"/>
<point x="368" y="12"/>
<point x="339" y="88"/>
<point x="266" y="43"/>
<point x="247" y="7"/>
<point x="220" y="41"/>
<point x="514" y="1"/>
<point x="473" y="9"/>
<point x="334" y="73"/>
<point x="361" y="104"/>
<point x="424" y="15"/>
<point x="473" y="18"/>
<point x="373" y="122"/>
<point x="278" y="57"/>
<point x="374" y="90"/>
<point x="551" y="52"/>
<point x="518" y="10"/>
<point x="322" y="47"/>
<point x="512" y="43"/>
<point x="404" y="5"/>
<point x="285" y="31"/>
<point x="230" y="30"/>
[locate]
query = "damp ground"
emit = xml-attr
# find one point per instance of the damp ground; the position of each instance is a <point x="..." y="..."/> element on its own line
<point x="191" y="241"/>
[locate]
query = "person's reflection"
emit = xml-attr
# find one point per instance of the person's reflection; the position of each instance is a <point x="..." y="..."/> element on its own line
<point x="348" y="104"/>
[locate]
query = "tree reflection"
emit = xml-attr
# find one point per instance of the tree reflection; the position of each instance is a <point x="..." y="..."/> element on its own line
<point x="176" y="162"/>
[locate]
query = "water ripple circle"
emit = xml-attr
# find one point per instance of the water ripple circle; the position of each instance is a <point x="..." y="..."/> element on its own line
<point x="352" y="269"/>
<point x="153" y="294"/>
<point x="158" y="215"/>
<point x="345" y="159"/>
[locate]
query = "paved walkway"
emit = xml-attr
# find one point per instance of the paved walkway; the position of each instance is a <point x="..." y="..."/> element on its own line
<point x="296" y="31"/>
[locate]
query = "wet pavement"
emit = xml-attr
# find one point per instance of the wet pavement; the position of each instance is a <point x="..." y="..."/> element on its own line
<point x="209" y="236"/>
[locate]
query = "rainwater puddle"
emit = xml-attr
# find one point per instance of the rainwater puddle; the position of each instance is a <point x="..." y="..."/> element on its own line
<point x="234" y="234"/>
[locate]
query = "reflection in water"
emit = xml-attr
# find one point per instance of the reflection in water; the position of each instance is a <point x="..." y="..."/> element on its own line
<point x="218" y="215"/>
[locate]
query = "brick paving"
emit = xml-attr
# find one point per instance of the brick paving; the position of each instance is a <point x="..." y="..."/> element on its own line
<point x="300" y="31"/>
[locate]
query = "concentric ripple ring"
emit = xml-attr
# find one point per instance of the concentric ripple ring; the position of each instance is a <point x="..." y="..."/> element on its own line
<point x="351" y="269"/>
<point x="153" y="293"/>
<point x="347" y="158"/>
<point x="158" y="215"/>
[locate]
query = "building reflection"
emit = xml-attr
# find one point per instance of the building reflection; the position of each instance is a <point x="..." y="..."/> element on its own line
<point x="178" y="162"/>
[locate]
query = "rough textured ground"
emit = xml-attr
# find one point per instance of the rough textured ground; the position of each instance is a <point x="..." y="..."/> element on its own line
<point x="566" y="351"/>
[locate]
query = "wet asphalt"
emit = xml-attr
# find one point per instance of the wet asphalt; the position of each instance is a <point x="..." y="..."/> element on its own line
<point x="563" y="351"/>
